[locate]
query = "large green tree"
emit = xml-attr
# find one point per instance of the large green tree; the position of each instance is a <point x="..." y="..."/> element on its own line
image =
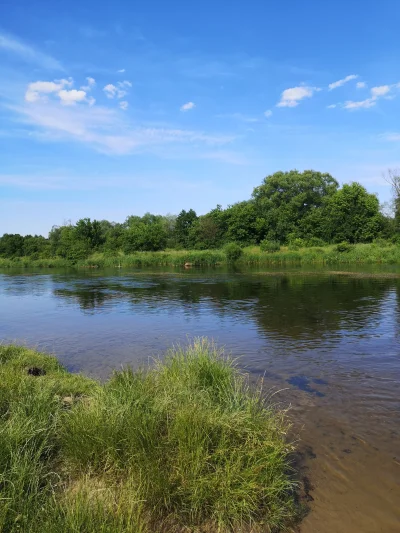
<point x="183" y="225"/>
<point x="147" y="233"/>
<point x="11" y="245"/>
<point x="285" y="198"/>
<point x="352" y="214"/>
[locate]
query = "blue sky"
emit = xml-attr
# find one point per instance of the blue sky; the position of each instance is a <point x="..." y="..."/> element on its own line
<point x="115" y="108"/>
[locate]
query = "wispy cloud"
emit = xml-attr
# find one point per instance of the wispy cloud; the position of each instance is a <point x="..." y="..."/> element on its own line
<point x="268" y="113"/>
<point x="124" y="105"/>
<point x="117" y="91"/>
<point x="381" y="91"/>
<point x="361" y="85"/>
<point x="188" y="106"/>
<point x="91" y="33"/>
<point x="225" y="156"/>
<point x="91" y="83"/>
<point x="238" y="116"/>
<point x="105" y="129"/>
<point x="121" y="71"/>
<point x="28" y="53"/>
<point x="292" y="97"/>
<point x="341" y="82"/>
<point x="391" y="136"/>
<point x="376" y="92"/>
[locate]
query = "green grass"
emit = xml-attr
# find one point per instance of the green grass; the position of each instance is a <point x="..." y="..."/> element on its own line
<point x="186" y="445"/>
<point x="252" y="255"/>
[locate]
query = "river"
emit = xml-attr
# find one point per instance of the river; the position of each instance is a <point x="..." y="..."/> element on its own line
<point x="327" y="344"/>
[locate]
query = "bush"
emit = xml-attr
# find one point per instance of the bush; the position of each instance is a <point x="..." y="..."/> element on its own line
<point x="381" y="243"/>
<point x="343" y="247"/>
<point x="315" y="241"/>
<point x="269" y="246"/>
<point x="233" y="252"/>
<point x="296" y="244"/>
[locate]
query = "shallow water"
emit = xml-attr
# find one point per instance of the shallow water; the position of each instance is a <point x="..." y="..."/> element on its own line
<point x="329" y="343"/>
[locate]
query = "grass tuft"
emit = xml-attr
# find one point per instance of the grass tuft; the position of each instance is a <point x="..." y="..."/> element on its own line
<point x="186" y="445"/>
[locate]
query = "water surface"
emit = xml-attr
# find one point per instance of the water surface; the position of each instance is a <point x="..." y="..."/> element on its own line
<point x="329" y="343"/>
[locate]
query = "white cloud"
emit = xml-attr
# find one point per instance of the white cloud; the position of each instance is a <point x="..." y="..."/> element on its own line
<point x="268" y="113"/>
<point x="40" y="91"/>
<point x="291" y="97"/>
<point x="341" y="82"/>
<point x="106" y="130"/>
<point x="361" y="85"/>
<point x="380" y="91"/>
<point x="121" y="71"/>
<point x="72" y="96"/>
<point x="15" y="46"/>
<point x="110" y="90"/>
<point x="188" y="106"/>
<point x="124" y="105"/>
<point x="332" y="106"/>
<point x="91" y="83"/>
<point x="376" y="93"/>
<point x="37" y="89"/>
<point x="363" y="104"/>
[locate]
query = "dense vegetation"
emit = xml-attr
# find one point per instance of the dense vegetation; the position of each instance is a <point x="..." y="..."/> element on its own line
<point x="186" y="446"/>
<point x="297" y="209"/>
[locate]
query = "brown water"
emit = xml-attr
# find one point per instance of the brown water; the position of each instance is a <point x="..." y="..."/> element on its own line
<point x="329" y="343"/>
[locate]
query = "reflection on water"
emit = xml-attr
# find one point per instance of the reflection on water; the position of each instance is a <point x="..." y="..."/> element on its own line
<point x="331" y="343"/>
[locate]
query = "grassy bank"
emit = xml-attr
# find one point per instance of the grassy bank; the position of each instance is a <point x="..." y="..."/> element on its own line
<point x="185" y="446"/>
<point x="327" y="255"/>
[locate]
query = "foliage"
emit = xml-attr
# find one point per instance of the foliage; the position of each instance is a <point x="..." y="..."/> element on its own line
<point x="352" y="214"/>
<point x="300" y="209"/>
<point x="185" y="446"/>
<point x="343" y="247"/>
<point x="393" y="178"/>
<point x="284" y="199"/>
<point x="269" y="246"/>
<point x="144" y="234"/>
<point x="314" y="241"/>
<point x="233" y="252"/>
<point x="184" y="223"/>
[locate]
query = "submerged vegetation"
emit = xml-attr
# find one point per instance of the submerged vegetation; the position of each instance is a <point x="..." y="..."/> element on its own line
<point x="296" y="210"/>
<point x="185" y="446"/>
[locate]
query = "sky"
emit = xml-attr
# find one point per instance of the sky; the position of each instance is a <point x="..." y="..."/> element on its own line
<point x="109" y="109"/>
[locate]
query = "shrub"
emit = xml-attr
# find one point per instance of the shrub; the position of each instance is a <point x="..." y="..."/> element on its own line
<point x="269" y="246"/>
<point x="233" y="252"/>
<point x="343" y="247"/>
<point x="315" y="241"/>
<point x="296" y="244"/>
<point x="381" y="243"/>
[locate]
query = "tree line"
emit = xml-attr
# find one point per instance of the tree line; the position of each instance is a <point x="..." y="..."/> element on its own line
<point x="308" y="208"/>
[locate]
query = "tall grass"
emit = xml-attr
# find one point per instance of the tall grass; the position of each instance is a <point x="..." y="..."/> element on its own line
<point x="187" y="445"/>
<point x="379" y="253"/>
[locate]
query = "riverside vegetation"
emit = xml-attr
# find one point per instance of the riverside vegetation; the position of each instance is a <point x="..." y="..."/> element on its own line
<point x="291" y="217"/>
<point x="184" y="446"/>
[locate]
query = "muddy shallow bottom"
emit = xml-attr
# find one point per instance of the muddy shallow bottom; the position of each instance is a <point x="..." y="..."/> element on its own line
<point x="328" y="342"/>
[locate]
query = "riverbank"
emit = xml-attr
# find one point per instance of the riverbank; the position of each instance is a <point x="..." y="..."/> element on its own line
<point x="185" y="446"/>
<point x="327" y="255"/>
